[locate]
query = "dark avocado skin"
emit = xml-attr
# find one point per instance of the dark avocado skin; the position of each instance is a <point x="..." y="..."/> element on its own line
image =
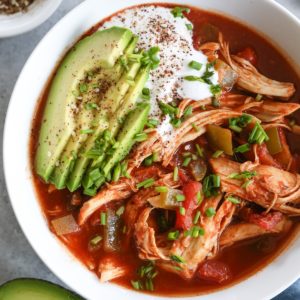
<point x="35" y="289"/>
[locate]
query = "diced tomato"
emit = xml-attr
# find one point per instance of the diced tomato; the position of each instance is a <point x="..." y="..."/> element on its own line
<point x="266" y="221"/>
<point x="249" y="54"/>
<point x="214" y="271"/>
<point x="182" y="176"/>
<point x="190" y="203"/>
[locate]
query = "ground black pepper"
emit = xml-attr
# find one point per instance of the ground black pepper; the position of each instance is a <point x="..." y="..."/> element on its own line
<point x="9" y="7"/>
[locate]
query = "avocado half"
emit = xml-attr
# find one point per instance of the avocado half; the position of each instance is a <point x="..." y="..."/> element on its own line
<point x="35" y="289"/>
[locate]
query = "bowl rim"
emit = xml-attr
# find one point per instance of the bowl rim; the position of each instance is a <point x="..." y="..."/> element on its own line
<point x="38" y="12"/>
<point x="287" y="281"/>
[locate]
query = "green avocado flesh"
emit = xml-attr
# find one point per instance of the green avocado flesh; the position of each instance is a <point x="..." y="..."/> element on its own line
<point x="92" y="94"/>
<point x="34" y="289"/>
<point x="99" y="51"/>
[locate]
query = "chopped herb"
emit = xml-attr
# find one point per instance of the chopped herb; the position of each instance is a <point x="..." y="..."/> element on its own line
<point x="155" y="156"/>
<point x="211" y="185"/>
<point x="258" y="135"/>
<point x="90" y="106"/>
<point x="199" y="150"/>
<point x="146" y="183"/>
<point x="176" y="122"/>
<point x="124" y="229"/>
<point x="215" y="102"/>
<point x="237" y="124"/>
<point x="173" y="235"/>
<point x="196" y="128"/>
<point x="189" y="26"/>
<point x="137" y="285"/>
<point x="134" y="57"/>
<point x="151" y="58"/>
<point x="103" y="218"/>
<point x="175" y="174"/>
<point x="161" y="189"/>
<point x="86" y="131"/>
<point x="177" y="268"/>
<point x="210" y="212"/>
<point x="177" y="258"/>
<point x="141" y="137"/>
<point x="149" y="285"/>
<point x="179" y="197"/>
<point x="215" y="89"/>
<point x="83" y="87"/>
<point x="246" y="184"/>
<point x="96" y="240"/>
<point x="242" y="148"/>
<point x="258" y="97"/>
<point x="243" y="175"/>
<point x="233" y="200"/>
<point x="186" y="161"/>
<point x="218" y="153"/>
<point x="182" y="210"/>
<point x="197" y="231"/>
<point x="199" y="198"/>
<point x="177" y="11"/>
<point x="193" y="78"/>
<point x="188" y="111"/>
<point x="120" y="210"/>
<point x="186" y="154"/>
<point x="196" y="217"/>
<point x="152" y="123"/>
<point x="195" y="65"/>
<point x="167" y="109"/>
<point x="148" y="161"/>
<point x="145" y="94"/>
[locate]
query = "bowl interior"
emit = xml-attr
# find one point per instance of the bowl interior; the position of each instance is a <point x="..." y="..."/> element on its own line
<point x="17" y="130"/>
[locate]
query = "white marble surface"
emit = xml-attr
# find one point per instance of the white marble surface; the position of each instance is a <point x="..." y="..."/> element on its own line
<point x="17" y="259"/>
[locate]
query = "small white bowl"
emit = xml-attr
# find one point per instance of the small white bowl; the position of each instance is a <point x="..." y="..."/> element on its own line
<point x="37" y="13"/>
<point x="265" y="16"/>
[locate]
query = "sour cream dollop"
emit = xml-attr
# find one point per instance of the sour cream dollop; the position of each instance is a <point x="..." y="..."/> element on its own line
<point x="156" y="26"/>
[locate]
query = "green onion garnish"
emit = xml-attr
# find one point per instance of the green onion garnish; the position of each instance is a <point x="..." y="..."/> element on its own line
<point x="182" y="210"/>
<point x="215" y="89"/>
<point x="90" y="106"/>
<point x="177" y="258"/>
<point x="137" y="285"/>
<point x="177" y="11"/>
<point x="257" y="135"/>
<point x="96" y="240"/>
<point x="120" y="210"/>
<point x="86" y="131"/>
<point x="175" y="174"/>
<point x="141" y="137"/>
<point x="199" y="198"/>
<point x="193" y="78"/>
<point x="196" y="217"/>
<point x="196" y="128"/>
<point x="189" y="26"/>
<point x="211" y="185"/>
<point x="148" y="161"/>
<point x="199" y="150"/>
<point x="195" y="65"/>
<point x="179" y="197"/>
<point x="246" y="184"/>
<point x="186" y="161"/>
<point x="218" y="153"/>
<point x="103" y="218"/>
<point x="151" y="123"/>
<point x="146" y="183"/>
<point x="258" y="97"/>
<point x="145" y="94"/>
<point x="243" y="175"/>
<point x="83" y="87"/>
<point x="161" y="189"/>
<point x="210" y="212"/>
<point x="173" y="235"/>
<point x="188" y="111"/>
<point x="233" y="200"/>
<point x="242" y="148"/>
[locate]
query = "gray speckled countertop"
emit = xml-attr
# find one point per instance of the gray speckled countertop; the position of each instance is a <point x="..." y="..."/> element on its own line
<point x="17" y="258"/>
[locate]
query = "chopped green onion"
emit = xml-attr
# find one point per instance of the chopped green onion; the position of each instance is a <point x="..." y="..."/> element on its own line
<point x="189" y="26"/>
<point x="243" y="175"/>
<point x="215" y="89"/>
<point x="180" y="197"/>
<point x="215" y="102"/>
<point x="177" y="258"/>
<point x="136" y="284"/>
<point x="199" y="150"/>
<point x="210" y="212"/>
<point x="145" y="94"/>
<point x="186" y="154"/>
<point x="148" y="161"/>
<point x="149" y="285"/>
<point x="182" y="210"/>
<point x="196" y="217"/>
<point x="188" y="111"/>
<point x="177" y="11"/>
<point x="211" y="185"/>
<point x="176" y="122"/>
<point x="96" y="240"/>
<point x="167" y="109"/>
<point x="83" y="87"/>
<point x="258" y="97"/>
<point x="120" y="210"/>
<point x="235" y="128"/>
<point x="242" y="148"/>
<point x="193" y="78"/>
<point x="196" y="128"/>
<point x="175" y="174"/>
<point x="141" y="137"/>
<point x="90" y="106"/>
<point x="86" y="131"/>
<point x="146" y="183"/>
<point x="186" y="161"/>
<point x="173" y="235"/>
<point x="103" y="218"/>
<point x="218" y="153"/>
<point x="151" y="123"/>
<point x="161" y="189"/>
<point x="199" y="198"/>
<point x="195" y="65"/>
<point x="246" y="184"/>
<point x="233" y="200"/>
<point x="258" y="135"/>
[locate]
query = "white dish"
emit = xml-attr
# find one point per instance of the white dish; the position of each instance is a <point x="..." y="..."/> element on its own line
<point x="18" y="23"/>
<point x="263" y="15"/>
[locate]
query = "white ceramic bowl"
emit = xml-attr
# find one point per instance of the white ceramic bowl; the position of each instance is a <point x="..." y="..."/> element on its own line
<point x="37" y="13"/>
<point x="264" y="15"/>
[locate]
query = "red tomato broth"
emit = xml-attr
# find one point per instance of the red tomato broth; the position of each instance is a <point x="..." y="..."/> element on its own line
<point x="243" y="259"/>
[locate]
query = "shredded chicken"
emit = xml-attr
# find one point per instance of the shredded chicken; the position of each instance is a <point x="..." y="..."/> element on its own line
<point x="251" y="80"/>
<point x="110" y="269"/>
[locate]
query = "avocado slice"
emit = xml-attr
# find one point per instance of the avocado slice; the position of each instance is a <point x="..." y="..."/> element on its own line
<point x="127" y="105"/>
<point x="34" y="289"/>
<point x="94" y="119"/>
<point x="99" y="50"/>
